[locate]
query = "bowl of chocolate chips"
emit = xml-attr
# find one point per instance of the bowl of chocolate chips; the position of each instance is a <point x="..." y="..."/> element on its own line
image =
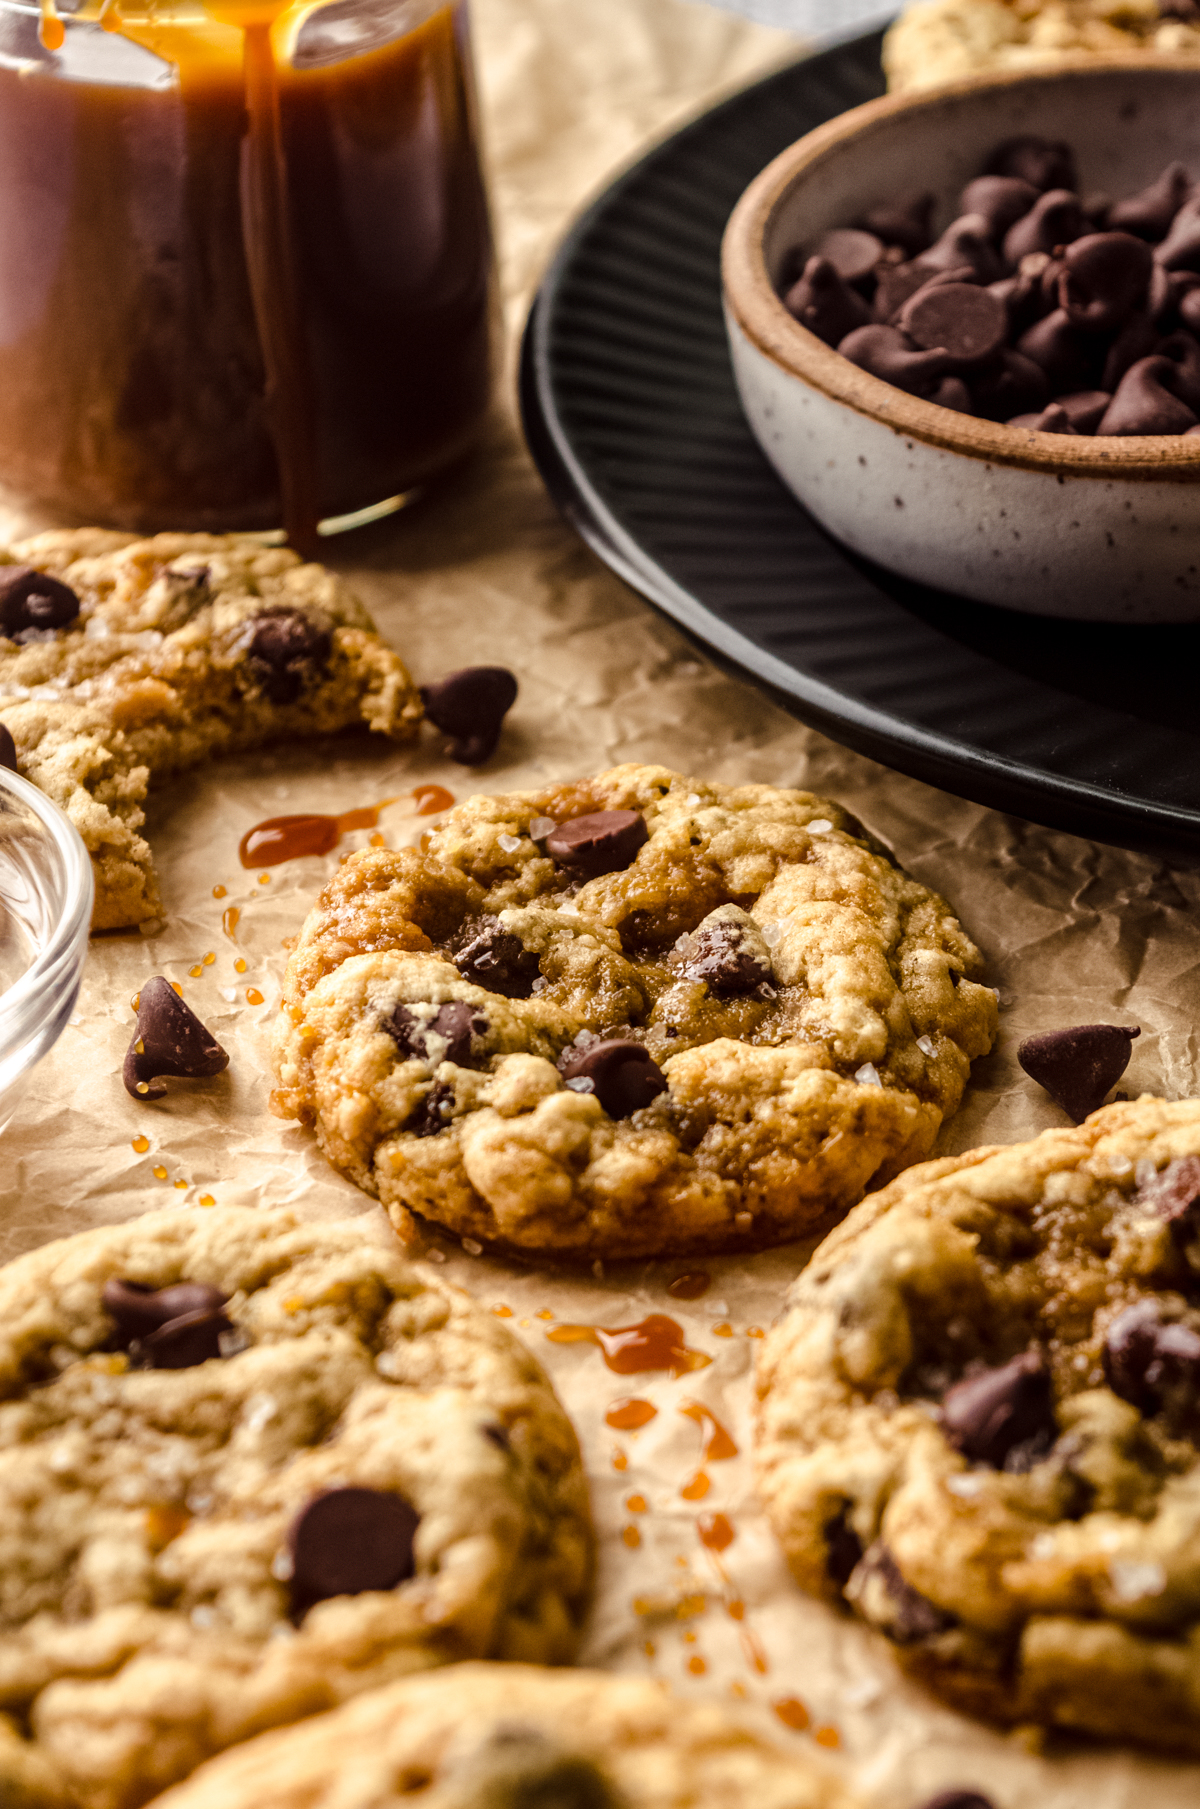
<point x="965" y="328"/>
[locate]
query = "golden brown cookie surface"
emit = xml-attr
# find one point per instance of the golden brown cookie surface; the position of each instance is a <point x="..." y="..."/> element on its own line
<point x="480" y="1736"/>
<point x="183" y="646"/>
<point x="810" y="1013"/>
<point x="178" y="1507"/>
<point x="944" y="40"/>
<point x="978" y="1424"/>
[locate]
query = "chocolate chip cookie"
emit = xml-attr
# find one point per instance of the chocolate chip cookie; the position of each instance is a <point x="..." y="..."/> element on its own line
<point x="123" y="660"/>
<point x="630" y="1015"/>
<point x="249" y="1468"/>
<point x="484" y="1736"/>
<point x="944" y="40"/>
<point x="979" y="1420"/>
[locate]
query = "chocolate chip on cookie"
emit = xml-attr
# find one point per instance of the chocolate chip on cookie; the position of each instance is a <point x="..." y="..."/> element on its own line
<point x="1078" y="1067"/>
<point x="604" y="841"/>
<point x="496" y="959"/>
<point x="1174" y="1193"/>
<point x="348" y="1541"/>
<point x="175" y="1327"/>
<point x="8" y="749"/>
<point x="959" y="1799"/>
<point x="622" y="1075"/>
<point x="990" y="1415"/>
<point x="728" y="953"/>
<point x="287" y="651"/>
<point x="884" y="1597"/>
<point x="32" y="604"/>
<point x="170" y="1040"/>
<point x="470" y="707"/>
<point x="433" y="1113"/>
<point x="844" y="1548"/>
<point x="1152" y="1362"/>
<point x="443" y="1034"/>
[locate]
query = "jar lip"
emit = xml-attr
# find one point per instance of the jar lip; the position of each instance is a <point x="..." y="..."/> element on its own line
<point x="27" y="1007"/>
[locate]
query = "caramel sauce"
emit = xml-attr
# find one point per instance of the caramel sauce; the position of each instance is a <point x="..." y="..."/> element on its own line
<point x="164" y="1523"/>
<point x="619" y="1460"/>
<point x="218" y="891"/>
<point x="754" y="1652"/>
<point x="253" y="996"/>
<point x="206" y="1199"/>
<point x="628" y="1414"/>
<point x="239" y="966"/>
<point x="715" y="1532"/>
<point x="431" y="800"/>
<point x="723" y="1330"/>
<point x="696" y="1487"/>
<point x="697" y="1665"/>
<point x="245" y="259"/>
<point x="828" y="1737"/>
<point x="503" y="1312"/>
<point x="736" y="1609"/>
<point x="718" y="1446"/>
<point x="140" y="1145"/>
<point x="632" y="1537"/>
<point x="160" y="1173"/>
<point x="690" y="1287"/>
<point x="230" y="917"/>
<point x="792" y="1713"/>
<point x="279" y="839"/>
<point x="636" y="1504"/>
<point x="656" y="1342"/>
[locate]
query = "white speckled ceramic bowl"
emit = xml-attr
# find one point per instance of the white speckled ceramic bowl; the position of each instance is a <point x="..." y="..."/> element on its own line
<point x="1107" y="529"/>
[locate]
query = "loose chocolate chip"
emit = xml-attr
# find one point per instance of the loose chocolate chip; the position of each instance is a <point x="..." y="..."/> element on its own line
<point x="8" y="749"/>
<point x="1056" y="220"/>
<point x="1151" y="1362"/>
<point x="606" y="841"/>
<point x="347" y="1541"/>
<point x="1105" y="275"/>
<point x="624" y="1077"/>
<point x="882" y="1596"/>
<point x="1015" y="385"/>
<point x="904" y="222"/>
<point x="966" y="241"/>
<point x="1069" y="358"/>
<point x="1085" y="409"/>
<point x="1002" y="200"/>
<point x="853" y="254"/>
<point x="1180" y="250"/>
<point x="170" y="1039"/>
<point x="1052" y="419"/>
<point x="470" y="707"/>
<point x="1144" y="402"/>
<point x="432" y="1115"/>
<point x="1174" y="1193"/>
<point x="987" y="1416"/>
<point x="1137" y="339"/>
<point x="455" y="1024"/>
<point x="287" y="651"/>
<point x="899" y="283"/>
<point x="723" y="958"/>
<point x="959" y="1799"/>
<point x="843" y="1547"/>
<point x="1150" y="212"/>
<point x="824" y="304"/>
<point x="1043" y="162"/>
<point x="33" y="604"/>
<point x="140" y="1310"/>
<point x="962" y="319"/>
<point x="494" y="958"/>
<point x="886" y="353"/>
<point x="1078" y="1067"/>
<point x="1184" y="382"/>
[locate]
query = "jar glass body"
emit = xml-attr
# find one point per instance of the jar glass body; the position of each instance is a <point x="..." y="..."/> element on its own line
<point x="138" y="383"/>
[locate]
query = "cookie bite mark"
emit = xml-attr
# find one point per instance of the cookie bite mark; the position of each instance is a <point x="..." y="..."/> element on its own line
<point x="715" y="1015"/>
<point x="978" y="1424"/>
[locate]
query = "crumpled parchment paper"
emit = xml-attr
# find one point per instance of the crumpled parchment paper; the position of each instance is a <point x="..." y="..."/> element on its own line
<point x="486" y="571"/>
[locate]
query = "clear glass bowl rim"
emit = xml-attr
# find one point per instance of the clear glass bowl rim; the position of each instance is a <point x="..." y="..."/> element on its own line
<point x="35" y="1007"/>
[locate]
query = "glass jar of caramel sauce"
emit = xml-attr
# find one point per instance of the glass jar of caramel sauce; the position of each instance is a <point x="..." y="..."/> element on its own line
<point x="246" y="271"/>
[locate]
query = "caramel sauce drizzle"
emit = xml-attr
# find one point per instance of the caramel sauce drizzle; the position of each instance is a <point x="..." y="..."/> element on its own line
<point x="629" y="1414"/>
<point x="718" y="1446"/>
<point x="279" y="839"/>
<point x="656" y="1342"/>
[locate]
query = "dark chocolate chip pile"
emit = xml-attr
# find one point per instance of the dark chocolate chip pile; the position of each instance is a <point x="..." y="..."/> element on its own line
<point x="350" y="1540"/>
<point x="1037" y="306"/>
<point x="470" y="706"/>
<point x="623" y="1076"/>
<point x="1078" y="1067"/>
<point x="287" y="651"/>
<point x="32" y="604"/>
<point x="170" y="1039"/>
<point x="175" y="1327"/>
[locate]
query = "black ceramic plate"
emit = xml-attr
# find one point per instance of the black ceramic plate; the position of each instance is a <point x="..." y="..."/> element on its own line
<point x="633" y="418"/>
